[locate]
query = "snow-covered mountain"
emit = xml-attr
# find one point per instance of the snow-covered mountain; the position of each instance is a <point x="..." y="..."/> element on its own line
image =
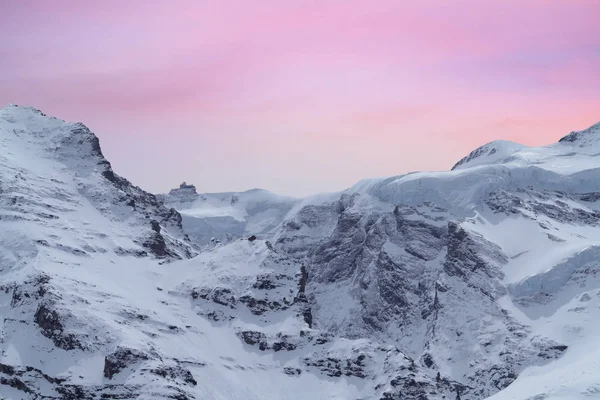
<point x="227" y="216"/>
<point x="479" y="282"/>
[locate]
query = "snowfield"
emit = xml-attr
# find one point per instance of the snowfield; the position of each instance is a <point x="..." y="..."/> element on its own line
<point x="227" y="216"/>
<point x="482" y="282"/>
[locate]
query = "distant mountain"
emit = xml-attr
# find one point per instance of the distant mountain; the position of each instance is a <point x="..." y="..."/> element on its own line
<point x="480" y="282"/>
<point x="227" y="216"/>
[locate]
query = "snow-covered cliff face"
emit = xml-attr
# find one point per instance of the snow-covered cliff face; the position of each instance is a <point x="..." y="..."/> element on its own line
<point x="71" y="234"/>
<point x="473" y="271"/>
<point x="50" y="167"/>
<point x="476" y="282"/>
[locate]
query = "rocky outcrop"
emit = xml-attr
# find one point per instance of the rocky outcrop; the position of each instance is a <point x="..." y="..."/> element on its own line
<point x="556" y="206"/>
<point x="175" y="373"/>
<point x="409" y="271"/>
<point x="254" y="338"/>
<point x="51" y="325"/>
<point x="336" y="368"/>
<point x="120" y="359"/>
<point x="473" y="258"/>
<point x="301" y="300"/>
<point x="279" y="342"/>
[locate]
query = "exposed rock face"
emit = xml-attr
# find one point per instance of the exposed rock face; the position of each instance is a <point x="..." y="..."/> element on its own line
<point x="175" y="373"/>
<point x="26" y="380"/>
<point x="265" y="293"/>
<point x="254" y="338"/>
<point x="31" y="383"/>
<point x="408" y="274"/>
<point x="336" y="368"/>
<point x="49" y="321"/>
<point x="74" y="152"/>
<point x="309" y="225"/>
<point x="301" y="298"/>
<point x="120" y="359"/>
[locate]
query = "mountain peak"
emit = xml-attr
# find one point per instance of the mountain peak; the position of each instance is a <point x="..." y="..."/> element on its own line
<point x="68" y="141"/>
<point x="67" y="161"/>
<point x="492" y="152"/>
<point x="12" y="106"/>
<point x="585" y="137"/>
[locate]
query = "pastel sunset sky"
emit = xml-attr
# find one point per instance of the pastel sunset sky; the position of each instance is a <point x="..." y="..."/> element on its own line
<point x="302" y="96"/>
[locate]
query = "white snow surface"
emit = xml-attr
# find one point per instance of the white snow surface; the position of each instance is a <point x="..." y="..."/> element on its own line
<point x="228" y="216"/>
<point x="485" y="278"/>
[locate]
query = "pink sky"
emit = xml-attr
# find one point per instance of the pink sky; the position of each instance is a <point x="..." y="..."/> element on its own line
<point x="302" y="96"/>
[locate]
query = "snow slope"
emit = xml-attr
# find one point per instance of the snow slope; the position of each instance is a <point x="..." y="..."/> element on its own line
<point x="480" y="282"/>
<point x="227" y="216"/>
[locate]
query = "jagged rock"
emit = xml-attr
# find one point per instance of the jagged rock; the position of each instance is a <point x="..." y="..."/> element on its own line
<point x="175" y="372"/>
<point x="218" y="295"/>
<point x="120" y="359"/>
<point x="51" y="325"/>
<point x="269" y="281"/>
<point x="283" y="342"/>
<point x="254" y="338"/>
<point x="292" y="371"/>
<point x="258" y="306"/>
<point x="155" y="226"/>
<point x="336" y="367"/>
